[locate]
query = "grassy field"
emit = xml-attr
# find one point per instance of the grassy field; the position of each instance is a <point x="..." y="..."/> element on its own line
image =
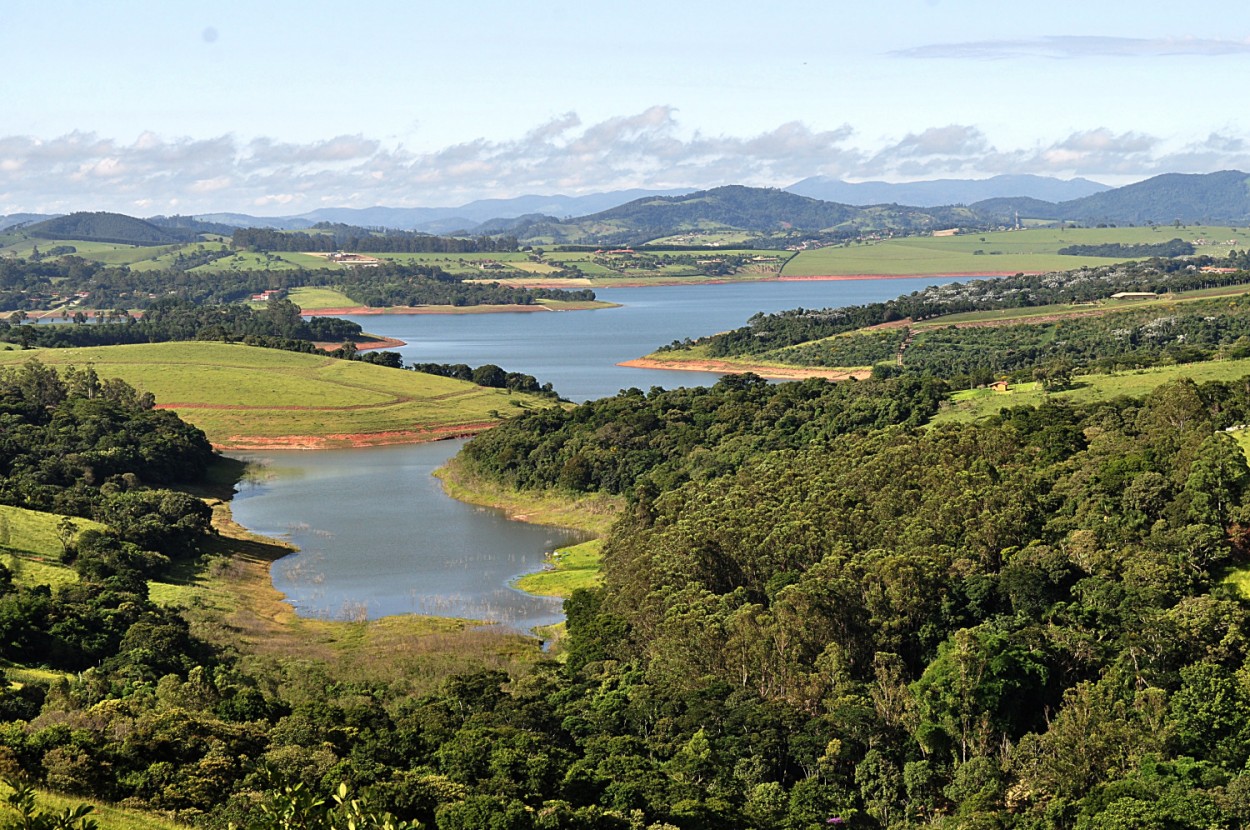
<point x="245" y="397"/>
<point x="107" y="816"/>
<point x="979" y="403"/>
<point x="577" y="566"/>
<point x="30" y="546"/>
<point x="1001" y="251"/>
<point x="312" y="299"/>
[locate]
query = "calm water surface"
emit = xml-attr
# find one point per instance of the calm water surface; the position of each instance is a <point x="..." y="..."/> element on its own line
<point x="377" y="535"/>
<point x="577" y="351"/>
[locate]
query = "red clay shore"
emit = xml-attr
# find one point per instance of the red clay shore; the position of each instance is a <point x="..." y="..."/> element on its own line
<point x="362" y="311"/>
<point x="352" y="440"/>
<point x="364" y="345"/>
<point x="725" y="367"/>
<point x="840" y="277"/>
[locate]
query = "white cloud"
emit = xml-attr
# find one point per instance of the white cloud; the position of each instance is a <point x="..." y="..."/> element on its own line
<point x="83" y="171"/>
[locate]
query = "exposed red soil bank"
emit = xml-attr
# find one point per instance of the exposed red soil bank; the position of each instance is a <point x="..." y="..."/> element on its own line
<point x="725" y="367"/>
<point x="347" y="440"/>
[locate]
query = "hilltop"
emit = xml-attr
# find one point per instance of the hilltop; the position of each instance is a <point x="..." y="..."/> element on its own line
<point x="1222" y="197"/>
<point x="106" y="227"/>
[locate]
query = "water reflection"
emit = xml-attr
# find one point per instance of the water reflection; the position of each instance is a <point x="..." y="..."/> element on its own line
<point x="378" y="536"/>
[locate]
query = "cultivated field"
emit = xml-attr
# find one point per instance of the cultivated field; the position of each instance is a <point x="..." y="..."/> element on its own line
<point x="251" y="398"/>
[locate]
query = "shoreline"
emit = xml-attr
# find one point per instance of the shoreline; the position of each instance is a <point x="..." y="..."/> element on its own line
<point x="368" y="311"/>
<point x="486" y="308"/>
<point x="625" y="282"/>
<point x="373" y="342"/>
<point x="725" y="367"/>
<point x="351" y="440"/>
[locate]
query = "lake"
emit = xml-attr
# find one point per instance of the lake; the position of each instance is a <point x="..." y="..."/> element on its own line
<point x="577" y="351"/>
<point x="378" y="536"/>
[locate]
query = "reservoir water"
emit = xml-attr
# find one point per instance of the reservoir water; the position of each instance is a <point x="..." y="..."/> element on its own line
<point x="377" y="536"/>
<point x="577" y="351"/>
<point x="376" y="533"/>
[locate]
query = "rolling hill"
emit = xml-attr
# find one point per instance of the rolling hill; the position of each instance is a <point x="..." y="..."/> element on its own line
<point x="1211" y="198"/>
<point x="107" y="227"/>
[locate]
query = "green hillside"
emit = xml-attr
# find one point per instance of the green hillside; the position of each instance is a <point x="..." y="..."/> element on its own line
<point x="106" y="227"/>
<point x="247" y="397"/>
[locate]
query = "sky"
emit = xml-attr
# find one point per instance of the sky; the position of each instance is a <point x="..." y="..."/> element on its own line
<point x="274" y="108"/>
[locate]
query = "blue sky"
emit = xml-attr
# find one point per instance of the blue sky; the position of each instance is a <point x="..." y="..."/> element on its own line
<point x="281" y="107"/>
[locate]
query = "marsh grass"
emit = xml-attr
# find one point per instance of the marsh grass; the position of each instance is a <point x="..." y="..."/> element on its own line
<point x="570" y="568"/>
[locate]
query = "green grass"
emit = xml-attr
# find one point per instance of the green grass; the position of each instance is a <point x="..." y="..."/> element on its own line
<point x="107" y="816"/>
<point x="31" y="548"/>
<point x="316" y="298"/>
<point x="33" y="532"/>
<point x="577" y="566"/>
<point x="243" y="396"/>
<point x="1002" y="251"/>
<point x="973" y="404"/>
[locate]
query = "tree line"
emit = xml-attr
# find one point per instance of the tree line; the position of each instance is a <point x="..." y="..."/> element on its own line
<point x="42" y="285"/>
<point x="331" y="237"/>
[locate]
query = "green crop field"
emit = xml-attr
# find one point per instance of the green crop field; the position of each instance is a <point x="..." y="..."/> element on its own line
<point x="1000" y="251"/>
<point x="979" y="403"/>
<point x="245" y="396"/>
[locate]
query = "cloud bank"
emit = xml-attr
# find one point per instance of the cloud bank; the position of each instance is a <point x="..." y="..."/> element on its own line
<point x="154" y="174"/>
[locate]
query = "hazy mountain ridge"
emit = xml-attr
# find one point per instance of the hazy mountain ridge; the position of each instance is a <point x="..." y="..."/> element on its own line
<point x="942" y="192"/>
<point x="1222" y="197"/>
<point x="15" y="219"/>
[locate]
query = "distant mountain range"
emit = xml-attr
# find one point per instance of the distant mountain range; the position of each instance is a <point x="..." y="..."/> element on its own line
<point x="1213" y="198"/>
<point x="443" y="219"/>
<point x="488" y="215"/>
<point x="1188" y="198"/>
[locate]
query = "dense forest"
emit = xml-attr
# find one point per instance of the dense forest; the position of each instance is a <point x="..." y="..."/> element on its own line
<point x="973" y="355"/>
<point x="329" y="236"/>
<point x="1016" y="624"/>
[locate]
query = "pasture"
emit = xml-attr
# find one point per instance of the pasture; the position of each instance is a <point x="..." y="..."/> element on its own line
<point x="973" y="404"/>
<point x="312" y="299"/>
<point x="1029" y="250"/>
<point x="247" y="397"/>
